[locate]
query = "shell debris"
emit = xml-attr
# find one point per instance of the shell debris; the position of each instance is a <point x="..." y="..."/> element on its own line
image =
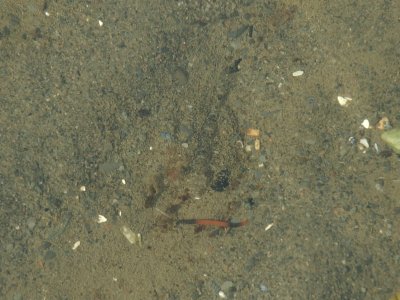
<point x="101" y="219"/>
<point x="252" y="132"/>
<point x="76" y="245"/>
<point x="365" y="124"/>
<point x="383" y="124"/>
<point x="344" y="101"/>
<point x="257" y="144"/>
<point x="297" y="73"/>
<point x="269" y="226"/>
<point x="131" y="236"/>
<point x="364" y="145"/>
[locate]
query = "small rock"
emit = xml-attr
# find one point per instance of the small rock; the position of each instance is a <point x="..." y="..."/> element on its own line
<point x="31" y="223"/>
<point x="263" y="288"/>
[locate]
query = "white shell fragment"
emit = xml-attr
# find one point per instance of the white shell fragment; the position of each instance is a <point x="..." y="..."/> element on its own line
<point x="298" y="73"/>
<point x="365" y="124"/>
<point x="132" y="237"/>
<point x="76" y="245"/>
<point x="364" y="142"/>
<point x="222" y="295"/>
<point x="376" y="147"/>
<point x="101" y="219"/>
<point x="82" y="188"/>
<point x="257" y="144"/>
<point x="269" y="226"/>
<point x="344" y="101"/>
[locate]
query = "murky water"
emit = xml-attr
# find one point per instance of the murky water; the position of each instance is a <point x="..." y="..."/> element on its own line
<point x="138" y="112"/>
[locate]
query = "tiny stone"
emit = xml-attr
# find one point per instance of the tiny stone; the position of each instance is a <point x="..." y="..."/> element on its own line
<point x="31" y="222"/>
<point x="263" y="288"/>
<point x="227" y="287"/>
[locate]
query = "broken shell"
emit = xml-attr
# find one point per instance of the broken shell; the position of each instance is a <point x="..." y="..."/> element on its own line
<point x="132" y="237"/>
<point x="101" y="219"/>
<point x="257" y="144"/>
<point x="252" y="132"/>
<point x="365" y="124"/>
<point x="298" y="73"/>
<point x="383" y="124"/>
<point x="392" y="138"/>
<point x="76" y="245"/>
<point x="344" y="101"/>
<point x="364" y="143"/>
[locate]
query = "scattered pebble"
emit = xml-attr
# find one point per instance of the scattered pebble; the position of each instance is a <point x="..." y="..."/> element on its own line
<point x="82" y="188"/>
